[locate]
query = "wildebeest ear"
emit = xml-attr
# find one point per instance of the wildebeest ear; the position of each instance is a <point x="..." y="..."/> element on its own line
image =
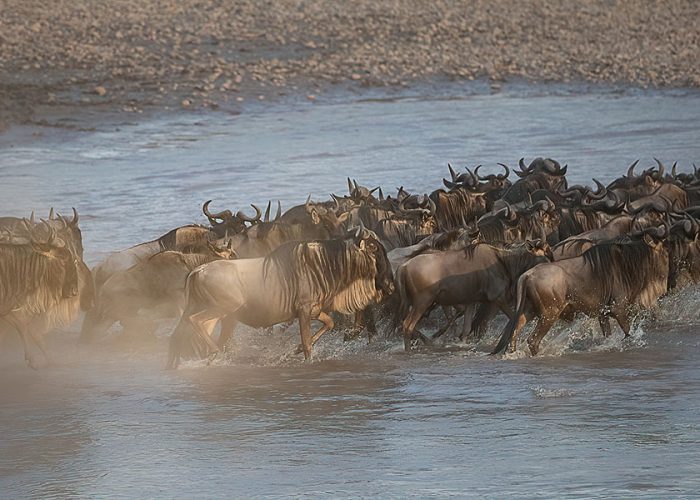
<point x="649" y="180"/>
<point x="649" y="241"/>
<point x="343" y="217"/>
<point x="315" y="218"/>
<point x="362" y="244"/>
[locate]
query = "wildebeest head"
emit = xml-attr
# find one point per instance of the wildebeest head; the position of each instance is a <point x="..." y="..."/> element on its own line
<point x="222" y="252"/>
<point x="332" y="220"/>
<point x="684" y="242"/>
<point x="542" y="173"/>
<point x="493" y="182"/>
<point x="68" y="230"/>
<point x="225" y="220"/>
<point x="539" y="248"/>
<point x="368" y="242"/>
<point x="55" y="248"/>
<point x="462" y="180"/>
<point x="637" y="186"/>
<point x="423" y="216"/>
<point x="361" y="193"/>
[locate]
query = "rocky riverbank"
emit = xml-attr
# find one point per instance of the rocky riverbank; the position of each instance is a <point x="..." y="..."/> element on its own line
<point x="131" y="55"/>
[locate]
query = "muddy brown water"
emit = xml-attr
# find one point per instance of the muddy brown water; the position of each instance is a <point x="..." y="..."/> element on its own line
<point x="591" y="417"/>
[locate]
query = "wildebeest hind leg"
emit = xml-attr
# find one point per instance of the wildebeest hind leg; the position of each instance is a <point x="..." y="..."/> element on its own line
<point x="228" y="324"/>
<point x="204" y="323"/>
<point x="544" y="324"/>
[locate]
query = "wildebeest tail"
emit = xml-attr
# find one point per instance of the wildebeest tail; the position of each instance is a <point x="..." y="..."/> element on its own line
<point x="508" y="332"/>
<point x="404" y="304"/>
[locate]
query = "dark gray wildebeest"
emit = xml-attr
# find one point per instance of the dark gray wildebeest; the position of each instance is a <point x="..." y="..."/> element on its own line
<point x="225" y="223"/>
<point x="607" y="280"/>
<point x="479" y="273"/>
<point x="461" y="204"/>
<point x="152" y="290"/>
<point x="407" y="226"/>
<point x="36" y="278"/>
<point x="542" y="173"/>
<point x="304" y="280"/>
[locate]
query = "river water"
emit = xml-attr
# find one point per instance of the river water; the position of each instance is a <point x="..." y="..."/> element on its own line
<point x="590" y="417"/>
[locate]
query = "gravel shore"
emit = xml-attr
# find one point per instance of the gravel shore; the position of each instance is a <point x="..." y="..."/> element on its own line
<point x="131" y="55"/>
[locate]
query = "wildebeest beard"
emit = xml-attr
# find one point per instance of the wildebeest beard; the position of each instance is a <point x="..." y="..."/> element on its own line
<point x="33" y="280"/>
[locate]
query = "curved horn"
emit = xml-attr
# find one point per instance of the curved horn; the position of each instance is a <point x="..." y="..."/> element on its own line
<point x="75" y="219"/>
<point x="31" y="217"/>
<point x="433" y="208"/>
<point x="662" y="168"/>
<point x="267" y="211"/>
<point x="474" y="179"/>
<point x="51" y="215"/>
<point x="448" y="184"/>
<point x="402" y="203"/>
<point x="307" y="204"/>
<point x="630" y="170"/>
<point x="349" y="186"/>
<point x="521" y="163"/>
<point x="60" y="218"/>
<point x="212" y="217"/>
<point x="245" y="218"/>
<point x="381" y="194"/>
<point x="476" y="173"/>
<point x="673" y="169"/>
<point x="279" y="210"/>
<point x="504" y="176"/>
<point x="562" y="171"/>
<point x="601" y="191"/>
<point x="337" y="203"/>
<point x="452" y="172"/>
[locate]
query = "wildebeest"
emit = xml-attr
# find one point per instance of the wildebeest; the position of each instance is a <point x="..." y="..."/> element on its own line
<point x="304" y="280"/>
<point x="35" y="278"/>
<point x="605" y="281"/>
<point x="224" y="223"/>
<point x="542" y="173"/>
<point x="124" y="259"/>
<point x="407" y="226"/>
<point x="67" y="229"/>
<point x="155" y="287"/>
<point x="461" y="204"/>
<point x="480" y="273"/>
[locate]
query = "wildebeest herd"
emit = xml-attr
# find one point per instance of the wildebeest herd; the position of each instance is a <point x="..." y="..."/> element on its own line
<point x="536" y="248"/>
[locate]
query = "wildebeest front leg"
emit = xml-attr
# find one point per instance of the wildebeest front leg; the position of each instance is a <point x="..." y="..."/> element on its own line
<point x="620" y="314"/>
<point x="304" y="316"/>
<point x="604" y="322"/>
<point x="450" y="321"/>
<point x="328" y="324"/>
<point x="28" y="358"/>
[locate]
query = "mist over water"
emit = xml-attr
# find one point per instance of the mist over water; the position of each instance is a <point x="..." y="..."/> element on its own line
<point x="590" y="417"/>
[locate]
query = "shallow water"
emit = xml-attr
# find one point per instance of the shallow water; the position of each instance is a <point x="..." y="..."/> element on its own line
<point x="591" y="417"/>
